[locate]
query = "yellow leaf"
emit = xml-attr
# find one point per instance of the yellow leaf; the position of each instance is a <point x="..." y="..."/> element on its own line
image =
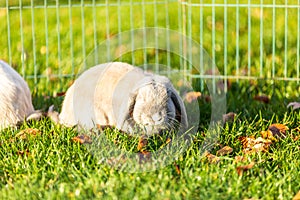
<point x="297" y="196"/>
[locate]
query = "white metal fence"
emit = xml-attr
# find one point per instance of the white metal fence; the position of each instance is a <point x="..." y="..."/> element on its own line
<point x="247" y="39"/>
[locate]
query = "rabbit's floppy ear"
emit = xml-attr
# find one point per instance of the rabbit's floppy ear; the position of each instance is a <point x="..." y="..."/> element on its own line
<point x="127" y="90"/>
<point x="181" y="116"/>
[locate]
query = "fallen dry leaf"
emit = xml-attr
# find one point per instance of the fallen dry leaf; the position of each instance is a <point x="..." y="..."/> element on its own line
<point x="60" y="94"/>
<point x="168" y="140"/>
<point x="229" y="117"/>
<point x="296" y="138"/>
<point x="297" y="196"/>
<point x="241" y="169"/>
<point x="212" y="158"/>
<point x="82" y="139"/>
<point x="251" y="145"/>
<point x="21" y="153"/>
<point x="294" y="105"/>
<point x="192" y="96"/>
<point x="28" y="131"/>
<point x="262" y="98"/>
<point x="225" y="150"/>
<point x="142" y="143"/>
<point x="268" y="135"/>
<point x="278" y="130"/>
<point x="177" y="168"/>
<point x="240" y="159"/>
<point x="207" y="98"/>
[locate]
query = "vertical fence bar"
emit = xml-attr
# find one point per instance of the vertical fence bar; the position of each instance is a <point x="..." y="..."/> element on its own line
<point x="189" y="32"/>
<point x="213" y="40"/>
<point x="22" y="38"/>
<point x="261" y="40"/>
<point x="285" y="38"/>
<point x="58" y="39"/>
<point x="201" y="43"/>
<point x="8" y="34"/>
<point x="298" y="42"/>
<point x="46" y="37"/>
<point x="180" y="31"/>
<point x="249" y="38"/>
<point x="184" y="26"/>
<point x="95" y="32"/>
<point x="225" y="44"/>
<point x="132" y="33"/>
<point x="33" y="43"/>
<point x="237" y="57"/>
<point x="83" y="34"/>
<point x="156" y="38"/>
<point x="107" y="31"/>
<point x="144" y="35"/>
<point x="168" y="37"/>
<point x="71" y="37"/>
<point x="119" y="28"/>
<point x="273" y="38"/>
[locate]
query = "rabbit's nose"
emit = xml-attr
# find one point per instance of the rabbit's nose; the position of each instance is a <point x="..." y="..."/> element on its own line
<point x="157" y="118"/>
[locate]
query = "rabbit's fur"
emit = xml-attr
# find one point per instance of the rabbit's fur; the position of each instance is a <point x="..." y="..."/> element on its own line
<point x="15" y="97"/>
<point x="121" y="95"/>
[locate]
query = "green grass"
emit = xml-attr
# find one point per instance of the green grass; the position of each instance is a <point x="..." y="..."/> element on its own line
<point x="52" y="166"/>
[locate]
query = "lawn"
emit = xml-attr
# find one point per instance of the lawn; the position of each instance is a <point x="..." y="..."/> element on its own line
<point x="42" y="160"/>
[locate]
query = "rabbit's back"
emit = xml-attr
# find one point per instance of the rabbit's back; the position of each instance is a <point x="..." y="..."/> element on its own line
<point x="89" y="101"/>
<point x="15" y="97"/>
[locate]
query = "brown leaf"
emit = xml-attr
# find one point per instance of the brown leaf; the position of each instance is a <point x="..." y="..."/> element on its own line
<point x="82" y="139"/>
<point x="262" y="98"/>
<point x="225" y="150"/>
<point x="192" y="96"/>
<point x="251" y="145"/>
<point x="212" y="158"/>
<point x="143" y="141"/>
<point x="268" y="135"/>
<point x="278" y="130"/>
<point x="240" y="159"/>
<point x="296" y="138"/>
<point x="28" y="131"/>
<point x="21" y="153"/>
<point x="207" y="98"/>
<point x="241" y="169"/>
<point x="297" y="196"/>
<point x="229" y="117"/>
<point x="60" y="94"/>
<point x="177" y="168"/>
<point x="168" y="140"/>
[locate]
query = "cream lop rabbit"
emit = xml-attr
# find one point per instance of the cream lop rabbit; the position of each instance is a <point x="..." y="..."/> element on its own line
<point x="15" y="97"/>
<point x="121" y="95"/>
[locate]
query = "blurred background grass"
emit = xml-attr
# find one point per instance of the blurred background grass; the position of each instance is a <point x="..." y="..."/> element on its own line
<point x="46" y="41"/>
